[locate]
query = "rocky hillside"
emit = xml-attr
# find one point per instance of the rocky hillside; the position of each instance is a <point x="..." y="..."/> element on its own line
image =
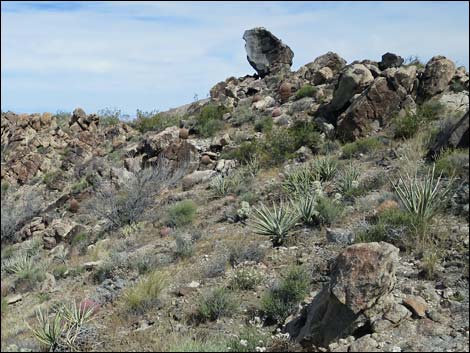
<point x="324" y="209"/>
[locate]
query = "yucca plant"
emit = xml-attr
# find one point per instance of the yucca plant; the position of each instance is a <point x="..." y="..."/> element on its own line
<point x="300" y="180"/>
<point x="79" y="314"/>
<point x="325" y="167"/>
<point x="220" y="185"/>
<point x="422" y="198"/>
<point x="18" y="265"/>
<point x="348" y="181"/>
<point x="49" y="330"/>
<point x="252" y="167"/>
<point x="305" y="207"/>
<point x="275" y="223"/>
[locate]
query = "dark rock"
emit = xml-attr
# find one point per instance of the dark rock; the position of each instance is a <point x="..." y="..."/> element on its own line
<point x="390" y="60"/>
<point x="265" y="52"/>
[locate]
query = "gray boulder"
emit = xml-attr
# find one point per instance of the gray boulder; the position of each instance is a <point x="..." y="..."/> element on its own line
<point x="353" y="80"/>
<point x="265" y="52"/>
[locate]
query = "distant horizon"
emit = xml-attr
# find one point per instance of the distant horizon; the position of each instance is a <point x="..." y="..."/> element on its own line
<point x="57" y="56"/>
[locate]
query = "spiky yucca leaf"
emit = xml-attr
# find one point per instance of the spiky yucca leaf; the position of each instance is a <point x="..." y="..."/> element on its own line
<point x="325" y="167"/>
<point x="305" y="207"/>
<point x="422" y="198"/>
<point x="300" y="180"/>
<point x="78" y="314"/>
<point x="349" y="179"/>
<point x="220" y="185"/>
<point x="49" y="330"/>
<point x="275" y="223"/>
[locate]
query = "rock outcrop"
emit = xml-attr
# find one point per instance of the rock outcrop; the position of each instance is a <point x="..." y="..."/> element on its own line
<point x="362" y="277"/>
<point x="265" y="52"/>
<point x="437" y="75"/>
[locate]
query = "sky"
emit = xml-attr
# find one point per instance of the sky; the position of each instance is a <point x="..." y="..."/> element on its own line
<point x="56" y="56"/>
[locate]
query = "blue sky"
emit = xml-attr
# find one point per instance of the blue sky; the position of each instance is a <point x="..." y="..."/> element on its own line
<point x="158" y="55"/>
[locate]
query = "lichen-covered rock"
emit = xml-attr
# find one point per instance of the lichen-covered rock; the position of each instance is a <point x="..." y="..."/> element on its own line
<point x="437" y="75"/>
<point x="265" y="52"/>
<point x="362" y="276"/>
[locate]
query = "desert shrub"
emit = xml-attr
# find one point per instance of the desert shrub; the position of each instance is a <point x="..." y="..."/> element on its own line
<point x="305" y="133"/>
<point x="184" y="247"/>
<point x="131" y="201"/>
<point x="246" y="151"/>
<point x="109" y="116"/>
<point x="181" y="213"/>
<point x="59" y="271"/>
<point x="209" y="120"/>
<point x="406" y="126"/>
<point x="329" y="210"/>
<point x="364" y="145"/>
<point x="249" y="196"/>
<point x="276" y="222"/>
<point x="27" y="270"/>
<point x="245" y="278"/>
<point x="264" y="124"/>
<point x="145" y="294"/>
<point x="153" y="121"/>
<point x="374" y="233"/>
<point x="283" y="298"/>
<point x="277" y="146"/>
<point x="62" y="118"/>
<point x="239" y="252"/>
<point x="325" y="167"/>
<point x="216" y="267"/>
<point x="430" y="110"/>
<point x="103" y="271"/>
<point x="220" y="185"/>
<point x="216" y="304"/>
<point x="306" y="90"/>
<point x="453" y="163"/>
<point x="242" y="114"/>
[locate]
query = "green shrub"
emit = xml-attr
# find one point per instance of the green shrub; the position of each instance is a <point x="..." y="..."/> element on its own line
<point x="305" y="206"/>
<point x="282" y="299"/>
<point x="59" y="271"/>
<point x="328" y="210"/>
<point x="276" y="222"/>
<point x="245" y="152"/>
<point x="209" y="120"/>
<point x="305" y="133"/>
<point x="182" y="213"/>
<point x="306" y="90"/>
<point x="80" y="186"/>
<point x="264" y="124"/>
<point x="453" y="163"/>
<point x="348" y="183"/>
<point x="51" y="179"/>
<point x="406" y="126"/>
<point x="145" y="294"/>
<point x="364" y="145"/>
<point x="277" y="146"/>
<point x="375" y="233"/>
<point x="216" y="304"/>
<point x="430" y="111"/>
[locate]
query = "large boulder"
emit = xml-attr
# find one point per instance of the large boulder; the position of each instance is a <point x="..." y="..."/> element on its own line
<point x="390" y="60"/>
<point x="437" y="75"/>
<point x="322" y="68"/>
<point x="353" y="80"/>
<point x="454" y="135"/>
<point x="362" y="277"/>
<point x="377" y="104"/>
<point x="265" y="52"/>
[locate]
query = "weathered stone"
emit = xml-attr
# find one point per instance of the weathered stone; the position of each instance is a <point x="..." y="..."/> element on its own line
<point x="454" y="135"/>
<point x="353" y="79"/>
<point x="329" y="60"/>
<point x="265" y="52"/>
<point x="416" y="304"/>
<point x="324" y="75"/>
<point x="285" y="91"/>
<point x="197" y="177"/>
<point x="361" y="276"/>
<point x="436" y="77"/>
<point x="390" y="60"/>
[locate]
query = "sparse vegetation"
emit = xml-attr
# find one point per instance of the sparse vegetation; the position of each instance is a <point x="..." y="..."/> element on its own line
<point x="282" y="299"/>
<point x="364" y="145"/>
<point x="305" y="91"/>
<point x="209" y="120"/>
<point x="153" y="121"/>
<point x="245" y="278"/>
